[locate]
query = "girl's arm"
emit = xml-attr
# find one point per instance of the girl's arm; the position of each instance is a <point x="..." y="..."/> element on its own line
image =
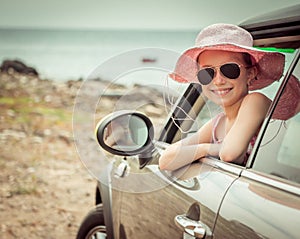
<point x="251" y="114"/>
<point x="189" y="149"/>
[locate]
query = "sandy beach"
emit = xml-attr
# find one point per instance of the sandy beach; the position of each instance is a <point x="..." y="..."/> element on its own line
<point x="45" y="188"/>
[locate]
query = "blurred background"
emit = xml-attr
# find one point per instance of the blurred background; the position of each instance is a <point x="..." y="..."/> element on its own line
<point x="47" y="50"/>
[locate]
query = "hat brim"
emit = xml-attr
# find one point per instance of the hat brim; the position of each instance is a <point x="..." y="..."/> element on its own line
<point x="270" y="64"/>
<point x="288" y="105"/>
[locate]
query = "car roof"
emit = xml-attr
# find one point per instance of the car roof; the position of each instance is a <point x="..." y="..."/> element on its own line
<point x="280" y="28"/>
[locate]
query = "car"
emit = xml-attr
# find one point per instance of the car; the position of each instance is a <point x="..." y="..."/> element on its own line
<point x="209" y="198"/>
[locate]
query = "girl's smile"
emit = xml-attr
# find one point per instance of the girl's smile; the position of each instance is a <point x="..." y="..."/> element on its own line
<point x="221" y="92"/>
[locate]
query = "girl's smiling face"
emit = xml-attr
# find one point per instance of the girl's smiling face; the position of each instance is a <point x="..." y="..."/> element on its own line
<point x="224" y="91"/>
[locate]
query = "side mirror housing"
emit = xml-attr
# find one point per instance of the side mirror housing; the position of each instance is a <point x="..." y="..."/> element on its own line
<point x="127" y="133"/>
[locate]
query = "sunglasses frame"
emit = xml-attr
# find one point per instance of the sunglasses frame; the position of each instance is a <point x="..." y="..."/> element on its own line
<point x="214" y="68"/>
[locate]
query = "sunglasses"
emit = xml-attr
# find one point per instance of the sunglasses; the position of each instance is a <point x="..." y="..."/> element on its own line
<point x="229" y="70"/>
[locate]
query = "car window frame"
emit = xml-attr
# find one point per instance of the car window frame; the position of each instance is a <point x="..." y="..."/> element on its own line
<point x="271" y="180"/>
<point x="185" y="107"/>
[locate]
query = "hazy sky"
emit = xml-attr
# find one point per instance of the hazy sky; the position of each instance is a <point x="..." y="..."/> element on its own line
<point x="131" y="14"/>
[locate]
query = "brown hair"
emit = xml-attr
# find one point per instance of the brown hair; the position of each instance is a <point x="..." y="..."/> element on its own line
<point x="248" y="59"/>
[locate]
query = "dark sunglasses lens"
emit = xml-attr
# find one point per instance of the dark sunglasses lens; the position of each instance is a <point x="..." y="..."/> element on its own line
<point x="205" y="76"/>
<point x="231" y="71"/>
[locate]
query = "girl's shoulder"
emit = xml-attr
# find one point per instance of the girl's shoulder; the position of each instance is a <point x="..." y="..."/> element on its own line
<point x="255" y="104"/>
<point x="257" y="95"/>
<point x="257" y="98"/>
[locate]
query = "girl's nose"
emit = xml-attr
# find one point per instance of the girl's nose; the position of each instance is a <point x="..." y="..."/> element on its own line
<point x="219" y="79"/>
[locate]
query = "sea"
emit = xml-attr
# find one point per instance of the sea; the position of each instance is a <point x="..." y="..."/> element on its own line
<point x="71" y="54"/>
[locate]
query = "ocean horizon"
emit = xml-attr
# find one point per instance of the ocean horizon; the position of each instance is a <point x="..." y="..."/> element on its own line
<point x="71" y="54"/>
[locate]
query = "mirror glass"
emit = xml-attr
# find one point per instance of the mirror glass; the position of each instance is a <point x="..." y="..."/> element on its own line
<point x="126" y="133"/>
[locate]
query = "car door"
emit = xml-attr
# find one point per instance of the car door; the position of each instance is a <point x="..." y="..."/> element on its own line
<point x="152" y="203"/>
<point x="265" y="201"/>
<point x="149" y="200"/>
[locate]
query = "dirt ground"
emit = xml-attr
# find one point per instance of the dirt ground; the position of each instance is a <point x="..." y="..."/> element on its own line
<point x="45" y="188"/>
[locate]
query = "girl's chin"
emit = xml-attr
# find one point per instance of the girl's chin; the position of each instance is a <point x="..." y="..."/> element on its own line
<point x="219" y="97"/>
<point x="223" y="102"/>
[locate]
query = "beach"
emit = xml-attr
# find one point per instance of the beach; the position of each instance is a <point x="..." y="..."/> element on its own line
<point x="46" y="190"/>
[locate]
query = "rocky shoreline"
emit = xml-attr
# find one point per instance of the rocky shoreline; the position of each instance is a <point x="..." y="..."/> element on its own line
<point x="28" y="100"/>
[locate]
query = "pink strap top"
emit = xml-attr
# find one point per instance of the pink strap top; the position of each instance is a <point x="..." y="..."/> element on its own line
<point x="215" y="125"/>
<point x="217" y="141"/>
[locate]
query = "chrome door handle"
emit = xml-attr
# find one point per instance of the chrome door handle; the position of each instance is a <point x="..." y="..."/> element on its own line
<point x="194" y="228"/>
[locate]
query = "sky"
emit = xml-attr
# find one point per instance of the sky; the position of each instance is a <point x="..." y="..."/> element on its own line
<point x="131" y="14"/>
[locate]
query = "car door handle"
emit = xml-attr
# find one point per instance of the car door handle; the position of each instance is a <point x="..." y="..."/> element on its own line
<point x="194" y="228"/>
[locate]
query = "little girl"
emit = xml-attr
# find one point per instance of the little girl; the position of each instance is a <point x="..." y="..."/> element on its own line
<point x="227" y="67"/>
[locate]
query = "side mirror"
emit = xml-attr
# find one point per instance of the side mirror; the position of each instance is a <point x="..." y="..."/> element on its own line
<point x="127" y="133"/>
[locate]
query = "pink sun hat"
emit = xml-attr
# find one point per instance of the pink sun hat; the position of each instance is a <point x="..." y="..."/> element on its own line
<point x="228" y="37"/>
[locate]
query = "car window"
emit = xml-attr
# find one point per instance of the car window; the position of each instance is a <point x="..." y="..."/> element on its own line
<point x="279" y="150"/>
